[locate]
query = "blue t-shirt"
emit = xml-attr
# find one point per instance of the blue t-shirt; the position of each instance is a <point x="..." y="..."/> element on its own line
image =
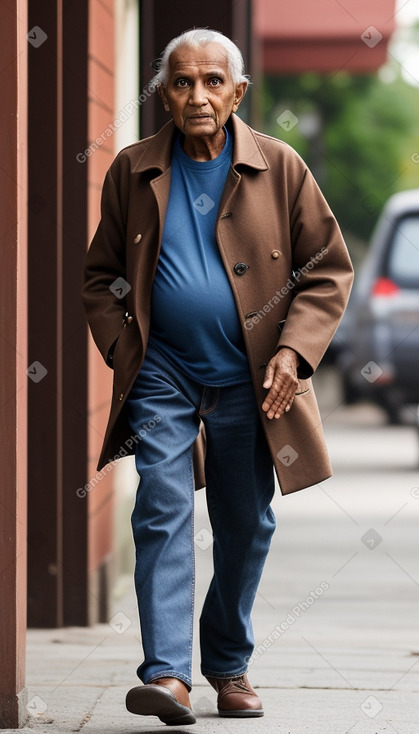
<point x="194" y="319"/>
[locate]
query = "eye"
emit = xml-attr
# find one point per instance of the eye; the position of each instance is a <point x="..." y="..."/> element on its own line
<point x="215" y="81"/>
<point x="182" y="83"/>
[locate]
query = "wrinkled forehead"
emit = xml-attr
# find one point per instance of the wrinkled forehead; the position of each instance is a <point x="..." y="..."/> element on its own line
<point x="202" y="58"/>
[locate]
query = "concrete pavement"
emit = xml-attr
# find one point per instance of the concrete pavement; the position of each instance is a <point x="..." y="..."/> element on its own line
<point x="337" y="645"/>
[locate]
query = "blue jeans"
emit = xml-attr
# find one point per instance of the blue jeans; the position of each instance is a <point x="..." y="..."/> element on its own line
<point x="164" y="411"/>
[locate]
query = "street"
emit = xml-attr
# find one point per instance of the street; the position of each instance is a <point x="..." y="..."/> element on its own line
<point x="335" y="620"/>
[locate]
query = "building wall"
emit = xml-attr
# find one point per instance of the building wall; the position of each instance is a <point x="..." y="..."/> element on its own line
<point x="322" y="36"/>
<point x="101" y="105"/>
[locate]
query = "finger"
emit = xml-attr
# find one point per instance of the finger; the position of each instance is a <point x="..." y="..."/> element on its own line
<point x="277" y="410"/>
<point x="273" y="394"/>
<point x="280" y="391"/>
<point x="289" y="406"/>
<point x="269" y="375"/>
<point x="277" y="407"/>
<point x="281" y="403"/>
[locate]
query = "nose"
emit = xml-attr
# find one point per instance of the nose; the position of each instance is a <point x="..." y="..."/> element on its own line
<point x="198" y="96"/>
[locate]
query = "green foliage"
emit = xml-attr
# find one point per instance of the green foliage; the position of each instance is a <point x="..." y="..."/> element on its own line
<point x="362" y="151"/>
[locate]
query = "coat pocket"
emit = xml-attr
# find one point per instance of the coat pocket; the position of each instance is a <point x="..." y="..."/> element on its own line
<point x="303" y="388"/>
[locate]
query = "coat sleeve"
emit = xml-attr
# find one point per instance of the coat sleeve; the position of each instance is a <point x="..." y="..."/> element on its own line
<point x="322" y="277"/>
<point x="104" y="286"/>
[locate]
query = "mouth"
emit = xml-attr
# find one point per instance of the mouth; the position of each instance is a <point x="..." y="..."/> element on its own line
<point x="200" y="117"/>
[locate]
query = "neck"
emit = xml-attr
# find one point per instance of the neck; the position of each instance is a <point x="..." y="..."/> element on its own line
<point x="205" y="149"/>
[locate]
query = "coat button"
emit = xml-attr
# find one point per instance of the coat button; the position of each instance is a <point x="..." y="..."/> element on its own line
<point x="240" y="268"/>
<point x="120" y="396"/>
<point x="137" y="239"/>
<point x="275" y="254"/>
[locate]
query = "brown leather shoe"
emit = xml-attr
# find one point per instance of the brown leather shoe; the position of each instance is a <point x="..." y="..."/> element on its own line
<point x="236" y="697"/>
<point x="167" y="698"/>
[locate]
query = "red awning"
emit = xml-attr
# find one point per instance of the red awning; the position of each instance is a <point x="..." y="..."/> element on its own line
<point x="322" y="35"/>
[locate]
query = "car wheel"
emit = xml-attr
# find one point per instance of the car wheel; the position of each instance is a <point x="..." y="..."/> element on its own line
<point x="392" y="409"/>
<point x="350" y="393"/>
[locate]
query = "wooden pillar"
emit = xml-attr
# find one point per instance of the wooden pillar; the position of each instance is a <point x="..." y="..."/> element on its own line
<point x="73" y="122"/>
<point x="13" y="363"/>
<point x="45" y="594"/>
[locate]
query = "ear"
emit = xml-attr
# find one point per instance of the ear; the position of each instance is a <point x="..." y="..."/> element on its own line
<point x="239" y="93"/>
<point x="162" y="92"/>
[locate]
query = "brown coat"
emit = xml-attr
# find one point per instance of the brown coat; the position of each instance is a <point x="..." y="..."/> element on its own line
<point x="274" y="220"/>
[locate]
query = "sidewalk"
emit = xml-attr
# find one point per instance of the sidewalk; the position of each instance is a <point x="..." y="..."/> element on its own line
<point x="337" y="648"/>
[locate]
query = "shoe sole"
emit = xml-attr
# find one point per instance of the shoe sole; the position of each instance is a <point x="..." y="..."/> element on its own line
<point x="152" y="700"/>
<point x="243" y="713"/>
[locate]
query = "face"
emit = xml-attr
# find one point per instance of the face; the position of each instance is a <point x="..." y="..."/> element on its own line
<point x="200" y="92"/>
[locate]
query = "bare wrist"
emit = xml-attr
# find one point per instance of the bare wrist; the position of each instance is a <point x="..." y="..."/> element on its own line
<point x="292" y="353"/>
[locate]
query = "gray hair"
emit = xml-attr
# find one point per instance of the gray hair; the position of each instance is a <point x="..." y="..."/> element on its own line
<point x="200" y="37"/>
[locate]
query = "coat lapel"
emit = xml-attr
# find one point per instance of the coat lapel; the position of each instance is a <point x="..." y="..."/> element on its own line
<point x="157" y="154"/>
<point x="246" y="149"/>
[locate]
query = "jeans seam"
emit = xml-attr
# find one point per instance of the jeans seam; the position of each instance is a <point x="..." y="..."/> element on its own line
<point x="193" y="565"/>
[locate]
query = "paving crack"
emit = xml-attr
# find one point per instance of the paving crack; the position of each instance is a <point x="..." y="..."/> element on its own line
<point x="86" y="718"/>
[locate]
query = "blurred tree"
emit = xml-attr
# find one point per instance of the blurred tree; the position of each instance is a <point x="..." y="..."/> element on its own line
<point x="355" y="133"/>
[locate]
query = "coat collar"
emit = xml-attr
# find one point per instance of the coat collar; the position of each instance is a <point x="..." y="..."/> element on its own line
<point x="246" y="149"/>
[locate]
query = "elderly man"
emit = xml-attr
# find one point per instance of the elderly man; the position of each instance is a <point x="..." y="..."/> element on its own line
<point x="213" y="285"/>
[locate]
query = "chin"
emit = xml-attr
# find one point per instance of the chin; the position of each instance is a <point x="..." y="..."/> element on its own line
<point x="201" y="130"/>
